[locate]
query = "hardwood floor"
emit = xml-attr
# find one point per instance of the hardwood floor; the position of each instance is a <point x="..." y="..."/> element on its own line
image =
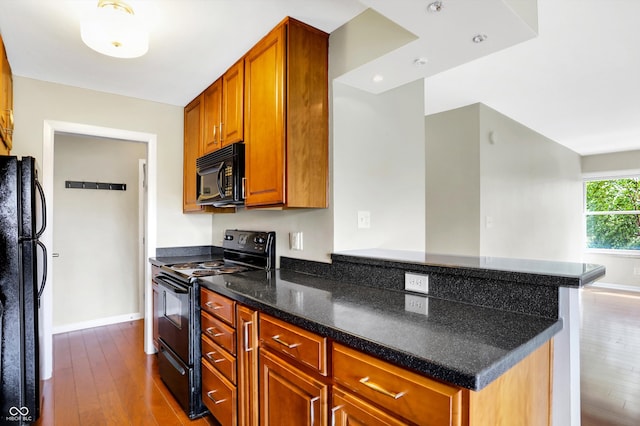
<point x="610" y="358"/>
<point x="103" y="377"/>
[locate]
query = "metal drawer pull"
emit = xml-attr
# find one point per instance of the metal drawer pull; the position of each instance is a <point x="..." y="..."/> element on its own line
<point x="283" y="343"/>
<point x="212" y="358"/>
<point x="395" y="395"/>
<point x="214" y="306"/>
<point x="210" y="395"/>
<point x="210" y="331"/>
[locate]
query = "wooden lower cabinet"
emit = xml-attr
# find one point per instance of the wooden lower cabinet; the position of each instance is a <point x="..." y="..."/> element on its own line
<point x="289" y="396"/>
<point x="247" y="366"/>
<point x="219" y="395"/>
<point x="285" y="375"/>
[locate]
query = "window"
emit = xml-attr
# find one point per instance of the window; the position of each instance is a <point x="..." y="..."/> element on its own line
<point x="612" y="213"/>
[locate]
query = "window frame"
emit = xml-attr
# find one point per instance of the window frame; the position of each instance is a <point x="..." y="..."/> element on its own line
<point x="632" y="174"/>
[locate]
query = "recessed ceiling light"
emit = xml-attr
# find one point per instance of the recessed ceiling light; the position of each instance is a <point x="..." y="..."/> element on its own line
<point x="377" y="78"/>
<point x="435" y="7"/>
<point x="479" y="38"/>
<point x="420" y="62"/>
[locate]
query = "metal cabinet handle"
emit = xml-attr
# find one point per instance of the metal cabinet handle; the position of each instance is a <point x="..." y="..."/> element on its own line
<point x="312" y="410"/>
<point x="212" y="358"/>
<point x="214" y="306"/>
<point x="211" y="331"/>
<point x="221" y="134"/>
<point x="283" y="343"/>
<point x="333" y="414"/>
<point x="376" y="387"/>
<point x="215" y="401"/>
<point x="246" y="336"/>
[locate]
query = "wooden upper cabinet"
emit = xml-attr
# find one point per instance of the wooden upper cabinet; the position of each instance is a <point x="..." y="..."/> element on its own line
<point x="224" y="110"/>
<point x="6" y="102"/>
<point x="233" y="104"/>
<point x="212" y="121"/>
<point x="286" y="118"/>
<point x="264" y="113"/>
<point x="192" y="139"/>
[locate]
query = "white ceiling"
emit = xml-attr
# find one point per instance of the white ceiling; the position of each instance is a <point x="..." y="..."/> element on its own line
<point x="576" y="83"/>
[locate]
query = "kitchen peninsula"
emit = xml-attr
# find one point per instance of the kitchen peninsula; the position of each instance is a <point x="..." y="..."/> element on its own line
<point x="481" y="338"/>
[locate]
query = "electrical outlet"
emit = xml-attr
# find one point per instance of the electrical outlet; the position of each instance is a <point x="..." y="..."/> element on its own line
<point x="417" y="304"/>
<point x="364" y="219"/>
<point x="416" y="282"/>
<point x="295" y="240"/>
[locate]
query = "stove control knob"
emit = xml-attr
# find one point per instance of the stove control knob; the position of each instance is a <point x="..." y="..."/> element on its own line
<point x="259" y="240"/>
<point x="228" y="237"/>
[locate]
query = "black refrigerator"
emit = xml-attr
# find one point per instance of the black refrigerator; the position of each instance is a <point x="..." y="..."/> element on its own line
<point x="22" y="221"/>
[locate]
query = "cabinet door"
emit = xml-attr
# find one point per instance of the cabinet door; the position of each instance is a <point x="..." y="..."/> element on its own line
<point x="192" y="138"/>
<point x="349" y="410"/>
<point x="6" y="103"/>
<point x="265" y="120"/>
<point x="233" y="104"/>
<point x="247" y="366"/>
<point x="289" y="396"/>
<point x="212" y="117"/>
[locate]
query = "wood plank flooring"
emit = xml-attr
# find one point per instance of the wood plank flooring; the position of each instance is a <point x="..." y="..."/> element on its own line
<point x="610" y="358"/>
<point x="103" y="377"/>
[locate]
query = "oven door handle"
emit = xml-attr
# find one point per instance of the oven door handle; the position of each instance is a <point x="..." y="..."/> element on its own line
<point x="171" y="286"/>
<point x="172" y="361"/>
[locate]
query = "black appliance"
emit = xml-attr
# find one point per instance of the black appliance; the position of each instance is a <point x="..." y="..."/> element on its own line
<point x="220" y="177"/>
<point x="179" y="318"/>
<point x="20" y="289"/>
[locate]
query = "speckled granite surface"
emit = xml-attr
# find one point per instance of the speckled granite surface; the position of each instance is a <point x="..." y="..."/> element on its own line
<point x="463" y="344"/>
<point x="536" y="272"/>
<point x="481" y="317"/>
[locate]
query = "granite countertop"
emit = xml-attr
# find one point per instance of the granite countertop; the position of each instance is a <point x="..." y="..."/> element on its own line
<point x="466" y="345"/>
<point x="543" y="272"/>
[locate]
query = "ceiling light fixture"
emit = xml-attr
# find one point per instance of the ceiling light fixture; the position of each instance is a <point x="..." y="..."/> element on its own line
<point x="435" y="7"/>
<point x="114" y="30"/>
<point x="377" y="78"/>
<point x="479" y="38"/>
<point x="419" y="62"/>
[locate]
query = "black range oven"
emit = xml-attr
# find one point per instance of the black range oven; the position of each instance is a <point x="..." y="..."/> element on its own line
<point x="179" y="304"/>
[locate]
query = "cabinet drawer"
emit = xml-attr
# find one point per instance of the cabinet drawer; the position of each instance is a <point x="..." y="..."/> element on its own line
<point x="218" y="305"/>
<point x="219" y="395"/>
<point x="349" y="410"/>
<point x="406" y="394"/>
<point x="219" y="332"/>
<point x="222" y="360"/>
<point x="306" y="347"/>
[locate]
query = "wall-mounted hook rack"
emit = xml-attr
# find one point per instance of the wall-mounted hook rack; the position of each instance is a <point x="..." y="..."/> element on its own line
<point x="73" y="184"/>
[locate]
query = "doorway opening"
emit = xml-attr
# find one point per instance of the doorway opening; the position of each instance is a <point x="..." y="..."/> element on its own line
<point x="51" y="128"/>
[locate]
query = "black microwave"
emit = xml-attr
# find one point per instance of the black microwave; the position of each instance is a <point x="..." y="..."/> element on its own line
<point x="220" y="177"/>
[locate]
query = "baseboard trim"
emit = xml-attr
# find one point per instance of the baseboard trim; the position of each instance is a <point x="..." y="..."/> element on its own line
<point x="621" y="287"/>
<point x="97" y="322"/>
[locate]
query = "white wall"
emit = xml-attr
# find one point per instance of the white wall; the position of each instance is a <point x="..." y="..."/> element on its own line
<point x="531" y="193"/>
<point x="621" y="268"/>
<point x="96" y="231"/>
<point x="36" y="101"/>
<point x="518" y="196"/>
<point x="378" y="166"/>
<point x="452" y="182"/>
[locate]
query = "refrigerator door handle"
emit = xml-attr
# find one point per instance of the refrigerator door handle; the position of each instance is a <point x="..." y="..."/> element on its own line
<point x="44" y="269"/>
<point x="44" y="209"/>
